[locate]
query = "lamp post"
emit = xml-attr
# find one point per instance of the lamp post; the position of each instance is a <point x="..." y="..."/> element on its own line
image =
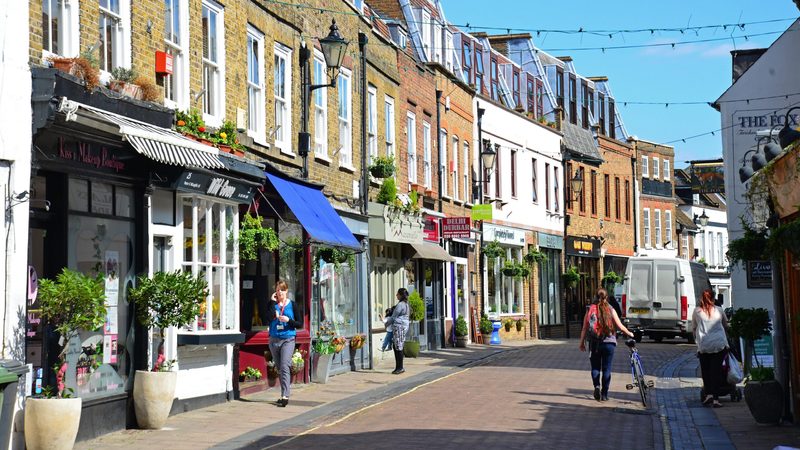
<point x="485" y="159"/>
<point x="576" y="186"/>
<point x="333" y="50"/>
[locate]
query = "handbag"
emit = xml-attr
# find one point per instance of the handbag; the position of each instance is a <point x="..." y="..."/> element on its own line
<point x="734" y="369"/>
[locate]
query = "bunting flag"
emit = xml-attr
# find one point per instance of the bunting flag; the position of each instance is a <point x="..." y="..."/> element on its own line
<point x="708" y="177"/>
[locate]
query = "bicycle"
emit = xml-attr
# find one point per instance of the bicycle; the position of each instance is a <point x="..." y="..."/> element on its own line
<point x="637" y="373"/>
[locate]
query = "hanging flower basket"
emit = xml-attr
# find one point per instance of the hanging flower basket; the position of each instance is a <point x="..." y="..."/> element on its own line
<point x="338" y="343"/>
<point x="357" y="341"/>
<point x="571" y="276"/>
<point x="493" y="250"/>
<point x="535" y="257"/>
<point x="524" y="271"/>
<point x="382" y="167"/>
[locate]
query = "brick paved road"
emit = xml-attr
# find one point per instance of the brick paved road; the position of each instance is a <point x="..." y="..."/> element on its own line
<point x="534" y="397"/>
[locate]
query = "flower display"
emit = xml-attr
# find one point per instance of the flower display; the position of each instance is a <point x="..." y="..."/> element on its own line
<point x="338" y="343"/>
<point x="357" y="341"/>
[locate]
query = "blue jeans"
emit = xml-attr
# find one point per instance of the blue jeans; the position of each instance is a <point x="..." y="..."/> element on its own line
<point x="601" y="361"/>
<point x="387" y="341"/>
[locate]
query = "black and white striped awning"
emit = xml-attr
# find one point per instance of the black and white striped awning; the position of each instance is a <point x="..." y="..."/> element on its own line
<point x="159" y="144"/>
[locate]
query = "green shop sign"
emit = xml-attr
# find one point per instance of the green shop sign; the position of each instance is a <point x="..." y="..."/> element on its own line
<point x="482" y="212"/>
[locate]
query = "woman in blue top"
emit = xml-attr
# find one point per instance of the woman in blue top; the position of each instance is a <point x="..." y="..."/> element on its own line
<point x="284" y="317"/>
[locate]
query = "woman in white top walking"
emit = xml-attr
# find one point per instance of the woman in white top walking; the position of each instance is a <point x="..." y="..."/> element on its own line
<point x="709" y="325"/>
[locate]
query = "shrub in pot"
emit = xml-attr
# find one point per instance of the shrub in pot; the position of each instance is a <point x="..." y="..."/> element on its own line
<point x="71" y="302"/>
<point x="764" y="395"/>
<point x="461" y="331"/>
<point x="168" y="299"/>
<point x="485" y="325"/>
<point x="122" y="81"/>
<point x="416" y="313"/>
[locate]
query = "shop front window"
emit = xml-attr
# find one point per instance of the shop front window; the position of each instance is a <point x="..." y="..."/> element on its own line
<point x="335" y="295"/>
<point x="210" y="232"/>
<point x="549" y="288"/>
<point x="505" y="292"/>
<point x="388" y="275"/>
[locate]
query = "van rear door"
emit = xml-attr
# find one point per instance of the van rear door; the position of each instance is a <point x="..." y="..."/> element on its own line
<point x="666" y="302"/>
<point x="639" y="289"/>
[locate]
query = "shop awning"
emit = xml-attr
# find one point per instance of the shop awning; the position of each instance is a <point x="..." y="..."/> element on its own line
<point x="431" y="251"/>
<point x="159" y="144"/>
<point x="314" y="212"/>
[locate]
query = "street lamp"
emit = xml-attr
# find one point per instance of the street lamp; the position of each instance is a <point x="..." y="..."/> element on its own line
<point x="787" y="135"/>
<point x="701" y="220"/>
<point x="576" y="183"/>
<point x="333" y="47"/>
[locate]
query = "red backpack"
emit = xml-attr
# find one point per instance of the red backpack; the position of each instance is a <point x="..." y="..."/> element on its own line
<point x="595" y="330"/>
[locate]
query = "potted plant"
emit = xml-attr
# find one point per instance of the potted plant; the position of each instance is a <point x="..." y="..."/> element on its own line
<point x="357" y="341"/>
<point x="84" y="67"/>
<point x="534" y="257"/>
<point x="571" y="276"/>
<point x="388" y="192"/>
<point x="382" y="166"/>
<point x="335" y="256"/>
<point x="493" y="250"/>
<point x="416" y="314"/>
<point x="71" y="302"/>
<point x="250" y="374"/>
<point x="253" y="238"/>
<point x="507" y="324"/>
<point x="521" y="323"/>
<point x="298" y="362"/>
<point x="762" y="393"/>
<point x="338" y="343"/>
<point x="523" y="271"/>
<point x="485" y="325"/>
<point x="168" y="299"/>
<point x="150" y="91"/>
<point x="323" y="352"/>
<point x="461" y="331"/>
<point x="611" y="279"/>
<point x="122" y="81"/>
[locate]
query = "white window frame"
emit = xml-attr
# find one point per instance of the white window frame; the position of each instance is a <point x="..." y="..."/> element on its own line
<point x="176" y="85"/>
<point x="456" y="193"/>
<point x="215" y="89"/>
<point x="645" y="167"/>
<point x="426" y="154"/>
<point x="411" y="147"/>
<point x="256" y="126"/>
<point x="465" y="172"/>
<point x="195" y="265"/>
<point x="646" y="223"/>
<point x="283" y="102"/>
<point x="438" y="51"/>
<point x="666" y="170"/>
<point x="685" y="245"/>
<point x="425" y="27"/>
<point x="372" y="122"/>
<point x="448" y="50"/>
<point x="711" y="254"/>
<point x="344" y="89"/>
<point x="720" y="250"/>
<point x="668" y="229"/>
<point x="388" y="110"/>
<point x="442" y="159"/>
<point x="657" y="228"/>
<point x="120" y="52"/>
<point x="68" y="31"/>
<point x="656" y="168"/>
<point x="320" y="108"/>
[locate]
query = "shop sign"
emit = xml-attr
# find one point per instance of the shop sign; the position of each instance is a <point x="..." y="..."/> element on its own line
<point x="431" y="230"/>
<point x="481" y="212"/>
<point x="215" y="186"/>
<point x="391" y="225"/>
<point x="550" y="240"/>
<point x="504" y="235"/>
<point x="759" y="274"/>
<point x="587" y="247"/>
<point x="456" y="227"/>
<point x="90" y="154"/>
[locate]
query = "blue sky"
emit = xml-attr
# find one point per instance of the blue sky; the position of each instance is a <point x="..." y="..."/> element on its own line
<point x="692" y="72"/>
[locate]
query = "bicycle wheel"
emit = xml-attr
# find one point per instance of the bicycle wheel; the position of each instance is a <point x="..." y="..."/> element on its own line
<point x="639" y="374"/>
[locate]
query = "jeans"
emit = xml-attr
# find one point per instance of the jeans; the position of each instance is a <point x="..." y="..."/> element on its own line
<point x="387" y="341"/>
<point x="714" y="378"/>
<point x="282" y="350"/>
<point x="601" y="360"/>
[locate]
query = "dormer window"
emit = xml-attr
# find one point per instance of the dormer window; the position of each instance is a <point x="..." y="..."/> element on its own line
<point x="530" y="94"/>
<point x="539" y="98"/>
<point x="584" y="105"/>
<point x="479" y="68"/>
<point x="573" y="101"/>
<point x="612" y="123"/>
<point x="494" y="76"/>
<point x="466" y="59"/>
<point x="426" y="35"/>
<point x="560" y="87"/>
<point x="515" y="88"/>
<point x="602" y="113"/>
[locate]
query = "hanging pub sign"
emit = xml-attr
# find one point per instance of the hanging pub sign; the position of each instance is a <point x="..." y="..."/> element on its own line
<point x="708" y="177"/>
<point x="759" y="274"/>
<point x="431" y="230"/>
<point x="587" y="247"/>
<point x="215" y="186"/>
<point x="456" y="227"/>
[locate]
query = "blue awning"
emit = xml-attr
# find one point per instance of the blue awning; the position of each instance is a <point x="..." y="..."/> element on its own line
<point x="314" y="212"/>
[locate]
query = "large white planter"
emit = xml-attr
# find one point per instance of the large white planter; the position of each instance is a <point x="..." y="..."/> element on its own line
<point x="153" y="393"/>
<point x="51" y="423"/>
<point x="321" y="365"/>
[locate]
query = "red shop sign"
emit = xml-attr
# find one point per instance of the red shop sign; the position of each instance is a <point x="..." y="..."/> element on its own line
<point x="456" y="227"/>
<point x="431" y="231"/>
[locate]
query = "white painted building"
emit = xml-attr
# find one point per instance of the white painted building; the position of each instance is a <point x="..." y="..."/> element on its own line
<point x="756" y="102"/>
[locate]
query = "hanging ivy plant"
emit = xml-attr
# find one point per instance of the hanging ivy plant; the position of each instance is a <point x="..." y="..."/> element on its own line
<point x="535" y="257"/>
<point x="750" y="247"/>
<point x="510" y="268"/>
<point x="288" y="249"/>
<point x="611" y="278"/>
<point x="335" y="256"/>
<point x="571" y="276"/>
<point x="784" y="238"/>
<point x="493" y="250"/>
<point x="253" y="238"/>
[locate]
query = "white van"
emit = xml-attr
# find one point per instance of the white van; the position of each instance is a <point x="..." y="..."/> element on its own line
<point x="659" y="296"/>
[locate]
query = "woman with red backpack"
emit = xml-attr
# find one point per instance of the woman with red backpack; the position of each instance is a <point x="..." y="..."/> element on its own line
<point x="599" y="329"/>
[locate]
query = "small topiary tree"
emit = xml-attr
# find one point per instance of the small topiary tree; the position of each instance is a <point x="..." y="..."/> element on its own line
<point x="461" y="326"/>
<point x="388" y="192"/>
<point x="750" y="324"/>
<point x="417" y="307"/>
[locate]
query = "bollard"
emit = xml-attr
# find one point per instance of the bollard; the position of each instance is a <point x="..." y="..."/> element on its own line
<point x="495" y="333"/>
